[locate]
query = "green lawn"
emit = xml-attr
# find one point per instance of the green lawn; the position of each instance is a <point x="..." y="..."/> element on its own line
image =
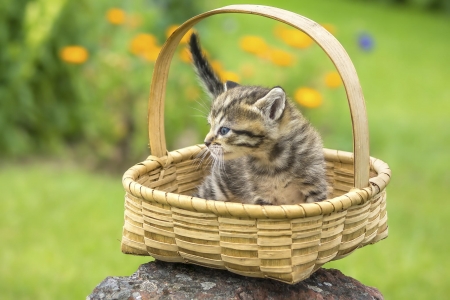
<point x="61" y="231"/>
<point x="61" y="225"/>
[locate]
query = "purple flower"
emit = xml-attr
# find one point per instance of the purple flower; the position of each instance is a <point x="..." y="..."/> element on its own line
<point x="365" y="41"/>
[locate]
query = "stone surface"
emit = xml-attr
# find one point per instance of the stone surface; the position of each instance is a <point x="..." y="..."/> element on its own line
<point x="160" y="280"/>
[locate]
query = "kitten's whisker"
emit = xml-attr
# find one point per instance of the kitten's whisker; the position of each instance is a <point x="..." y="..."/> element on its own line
<point x="203" y="105"/>
<point x="197" y="163"/>
<point x="202" y="152"/>
<point x="200" y="157"/>
<point x="210" y="161"/>
<point x="199" y="110"/>
<point x="207" y="161"/>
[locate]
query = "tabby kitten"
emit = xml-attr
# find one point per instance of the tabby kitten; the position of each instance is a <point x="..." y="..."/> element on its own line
<point x="265" y="151"/>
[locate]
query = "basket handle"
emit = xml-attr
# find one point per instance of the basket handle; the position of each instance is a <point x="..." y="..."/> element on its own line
<point x="321" y="36"/>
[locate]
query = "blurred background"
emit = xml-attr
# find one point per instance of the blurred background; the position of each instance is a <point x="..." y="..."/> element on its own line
<point x="74" y="85"/>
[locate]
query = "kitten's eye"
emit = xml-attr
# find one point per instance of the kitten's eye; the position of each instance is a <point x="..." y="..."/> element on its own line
<point x="224" y="130"/>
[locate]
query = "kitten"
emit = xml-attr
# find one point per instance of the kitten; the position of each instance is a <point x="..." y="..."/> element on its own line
<point x="265" y="152"/>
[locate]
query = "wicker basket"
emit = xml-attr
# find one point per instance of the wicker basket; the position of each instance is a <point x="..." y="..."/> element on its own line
<point x="286" y="242"/>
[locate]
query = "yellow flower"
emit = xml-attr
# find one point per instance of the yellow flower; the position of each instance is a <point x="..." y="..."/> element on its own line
<point x="247" y="70"/>
<point x="330" y="27"/>
<point x="293" y="37"/>
<point x="184" y="39"/>
<point x="185" y="55"/>
<point x="171" y="29"/>
<point x="281" y="58"/>
<point x="116" y="16"/>
<point x="333" y="79"/>
<point x="308" y="97"/>
<point x="254" y="45"/>
<point x="217" y="66"/>
<point x="142" y="43"/>
<point x="151" y="54"/>
<point x="231" y="76"/>
<point x="223" y="74"/>
<point x="74" y="54"/>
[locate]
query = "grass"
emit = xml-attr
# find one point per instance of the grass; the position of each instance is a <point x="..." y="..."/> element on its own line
<point x="61" y="231"/>
<point x="61" y="225"/>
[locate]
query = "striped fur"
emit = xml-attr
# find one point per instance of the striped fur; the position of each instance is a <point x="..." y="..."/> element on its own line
<point x="264" y="151"/>
<point x="210" y="80"/>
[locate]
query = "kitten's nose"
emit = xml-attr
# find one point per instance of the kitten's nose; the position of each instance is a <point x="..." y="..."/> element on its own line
<point x="207" y="143"/>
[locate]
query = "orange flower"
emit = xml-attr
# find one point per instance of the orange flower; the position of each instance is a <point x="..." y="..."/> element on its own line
<point x="254" y="45"/>
<point x="184" y="39"/>
<point x="281" y="58"/>
<point x="142" y="43"/>
<point x="308" y="97"/>
<point x="333" y="79"/>
<point x="293" y="37"/>
<point x="116" y="16"/>
<point x="74" y="54"/>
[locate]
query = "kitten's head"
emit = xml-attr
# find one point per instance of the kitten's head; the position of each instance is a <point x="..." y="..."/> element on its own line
<point x="244" y="120"/>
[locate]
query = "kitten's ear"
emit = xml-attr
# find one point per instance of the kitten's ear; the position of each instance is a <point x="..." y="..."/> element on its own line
<point x="230" y="84"/>
<point x="273" y="103"/>
<point x="210" y="80"/>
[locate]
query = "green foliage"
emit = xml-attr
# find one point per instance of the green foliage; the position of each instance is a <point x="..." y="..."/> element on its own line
<point x="422" y="4"/>
<point x="49" y="103"/>
<point x="40" y="95"/>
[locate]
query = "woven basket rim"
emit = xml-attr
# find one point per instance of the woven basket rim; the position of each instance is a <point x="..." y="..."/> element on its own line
<point x="226" y="209"/>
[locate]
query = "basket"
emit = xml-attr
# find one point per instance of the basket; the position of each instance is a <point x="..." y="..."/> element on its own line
<point x="287" y="242"/>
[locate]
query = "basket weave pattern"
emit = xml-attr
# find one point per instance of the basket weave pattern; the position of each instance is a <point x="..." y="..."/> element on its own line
<point x="286" y="242"/>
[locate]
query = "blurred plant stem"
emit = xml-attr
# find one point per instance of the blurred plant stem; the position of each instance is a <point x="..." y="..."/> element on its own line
<point x="40" y="17"/>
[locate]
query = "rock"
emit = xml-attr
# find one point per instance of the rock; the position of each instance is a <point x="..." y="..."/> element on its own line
<point x="160" y="280"/>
